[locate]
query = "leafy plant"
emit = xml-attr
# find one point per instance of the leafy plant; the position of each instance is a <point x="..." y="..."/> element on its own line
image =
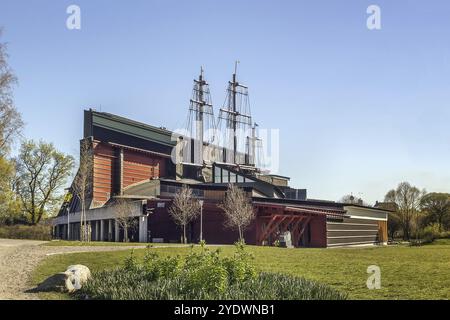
<point x="202" y="274"/>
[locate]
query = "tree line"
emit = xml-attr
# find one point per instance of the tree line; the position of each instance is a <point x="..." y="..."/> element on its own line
<point x="414" y="213"/>
<point x="31" y="182"/>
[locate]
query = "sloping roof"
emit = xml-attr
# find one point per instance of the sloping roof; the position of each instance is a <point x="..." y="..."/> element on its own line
<point x="317" y="203"/>
<point x="261" y="185"/>
<point x="146" y="188"/>
<point x="126" y="126"/>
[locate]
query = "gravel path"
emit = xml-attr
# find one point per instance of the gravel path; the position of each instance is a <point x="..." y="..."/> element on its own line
<point x="18" y="258"/>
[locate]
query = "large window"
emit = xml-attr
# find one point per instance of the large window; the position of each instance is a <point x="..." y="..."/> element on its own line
<point x="217" y="174"/>
<point x="225" y="176"/>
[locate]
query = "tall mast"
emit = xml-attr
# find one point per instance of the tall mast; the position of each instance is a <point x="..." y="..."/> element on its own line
<point x="233" y="92"/>
<point x="199" y="119"/>
<point x="201" y="107"/>
<point x="237" y="116"/>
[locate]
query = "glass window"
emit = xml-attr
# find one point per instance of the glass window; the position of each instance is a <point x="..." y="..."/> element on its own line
<point x="240" y="178"/>
<point x="217" y="175"/>
<point x="232" y="177"/>
<point x="225" y="176"/>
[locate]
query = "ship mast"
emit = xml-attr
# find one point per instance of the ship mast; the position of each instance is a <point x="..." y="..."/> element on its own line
<point x="202" y="111"/>
<point x="236" y="114"/>
<point x="234" y="84"/>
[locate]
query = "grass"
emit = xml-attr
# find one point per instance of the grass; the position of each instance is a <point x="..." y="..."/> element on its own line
<point x="64" y="243"/>
<point x="440" y="242"/>
<point x="406" y="272"/>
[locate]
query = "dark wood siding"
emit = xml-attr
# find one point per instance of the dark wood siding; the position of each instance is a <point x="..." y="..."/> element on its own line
<point x="137" y="167"/>
<point x="350" y="231"/>
<point x="103" y="173"/>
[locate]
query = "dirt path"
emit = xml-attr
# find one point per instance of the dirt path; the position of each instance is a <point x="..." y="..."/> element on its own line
<point x="18" y="258"/>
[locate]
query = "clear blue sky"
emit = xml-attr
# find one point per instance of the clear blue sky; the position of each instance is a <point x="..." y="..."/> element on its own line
<point x="358" y="110"/>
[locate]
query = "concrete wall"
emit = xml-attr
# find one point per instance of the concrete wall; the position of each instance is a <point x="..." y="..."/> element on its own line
<point x="102" y="224"/>
<point x="106" y="212"/>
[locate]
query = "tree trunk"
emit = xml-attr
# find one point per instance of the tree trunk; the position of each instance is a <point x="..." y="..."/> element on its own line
<point x="81" y="227"/>
<point x="241" y="237"/>
<point x="125" y="234"/>
<point x="82" y="223"/>
<point x="184" y="234"/>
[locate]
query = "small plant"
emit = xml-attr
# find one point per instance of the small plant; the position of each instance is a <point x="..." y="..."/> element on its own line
<point x="204" y="270"/>
<point x="156" y="267"/>
<point x="239" y="267"/>
<point x="202" y="274"/>
<point x="130" y="263"/>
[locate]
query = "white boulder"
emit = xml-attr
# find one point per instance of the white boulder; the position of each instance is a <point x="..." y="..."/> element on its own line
<point x="77" y="276"/>
<point x="69" y="281"/>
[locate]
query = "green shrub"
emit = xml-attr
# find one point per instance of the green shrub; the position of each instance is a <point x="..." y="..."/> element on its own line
<point x="205" y="270"/>
<point x="156" y="267"/>
<point x="37" y="232"/>
<point x="444" y="235"/>
<point x="200" y="275"/>
<point x="119" y="285"/>
<point x="431" y="233"/>
<point x="239" y="267"/>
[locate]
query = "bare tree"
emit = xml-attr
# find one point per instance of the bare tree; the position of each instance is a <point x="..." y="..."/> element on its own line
<point x="407" y="200"/>
<point x="238" y="210"/>
<point x="11" y="122"/>
<point x="123" y="212"/>
<point x="42" y="172"/>
<point x="184" y="209"/>
<point x="82" y="184"/>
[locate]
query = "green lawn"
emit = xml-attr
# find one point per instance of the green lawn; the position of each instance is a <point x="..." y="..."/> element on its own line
<point x="63" y="243"/>
<point x="406" y="272"/>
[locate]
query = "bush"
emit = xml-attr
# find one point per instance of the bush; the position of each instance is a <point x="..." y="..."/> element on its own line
<point x="431" y="233"/>
<point x="200" y="275"/>
<point x="37" y="232"/>
<point x="444" y="235"/>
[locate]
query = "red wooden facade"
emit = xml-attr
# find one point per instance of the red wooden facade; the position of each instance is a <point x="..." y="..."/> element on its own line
<point x="117" y="167"/>
<point x="307" y="225"/>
